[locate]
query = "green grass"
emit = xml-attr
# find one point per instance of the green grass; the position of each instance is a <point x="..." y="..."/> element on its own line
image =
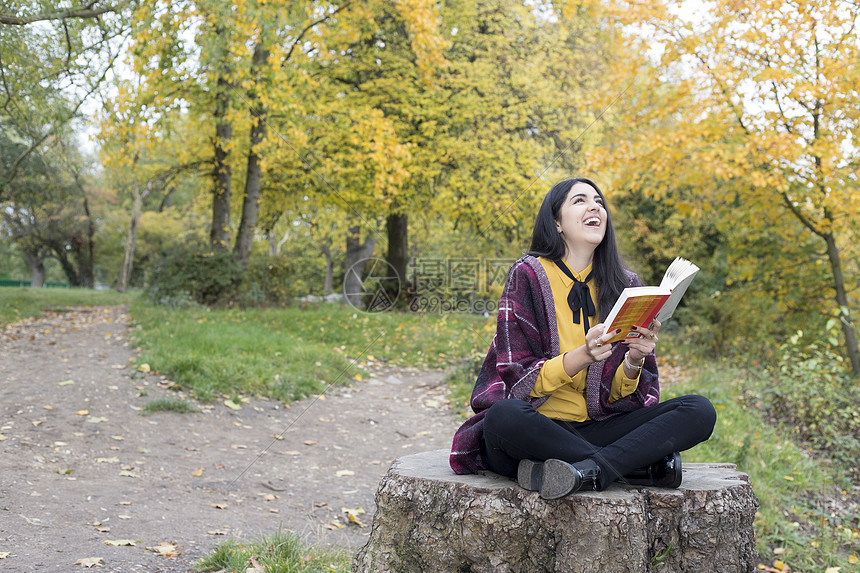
<point x="278" y="553"/>
<point x="19" y="303"/>
<point x="290" y="353"/>
<point x="795" y="522"/>
<point x="168" y="405"/>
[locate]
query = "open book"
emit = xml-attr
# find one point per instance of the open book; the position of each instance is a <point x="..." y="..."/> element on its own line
<point x="638" y="306"/>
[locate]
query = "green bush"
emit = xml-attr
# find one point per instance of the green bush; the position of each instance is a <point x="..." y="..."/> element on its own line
<point x="192" y="274"/>
<point x="209" y="278"/>
<point x="274" y="281"/>
<point x="810" y="389"/>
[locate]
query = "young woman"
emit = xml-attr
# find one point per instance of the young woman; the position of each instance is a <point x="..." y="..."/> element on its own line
<point x="555" y="405"/>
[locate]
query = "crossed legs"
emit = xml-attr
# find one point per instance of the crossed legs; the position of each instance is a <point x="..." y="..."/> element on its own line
<point x="514" y="430"/>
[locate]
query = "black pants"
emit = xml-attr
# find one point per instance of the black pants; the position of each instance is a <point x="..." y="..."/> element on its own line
<point x="514" y="430"/>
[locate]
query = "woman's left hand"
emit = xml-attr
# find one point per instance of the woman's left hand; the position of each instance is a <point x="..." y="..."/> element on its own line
<point x="645" y="344"/>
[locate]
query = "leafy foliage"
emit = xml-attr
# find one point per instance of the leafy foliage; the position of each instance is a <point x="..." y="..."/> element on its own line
<point x="809" y="390"/>
<point x="207" y="277"/>
<point x="769" y="152"/>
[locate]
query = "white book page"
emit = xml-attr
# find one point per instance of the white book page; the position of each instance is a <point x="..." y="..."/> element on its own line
<point x="678" y="277"/>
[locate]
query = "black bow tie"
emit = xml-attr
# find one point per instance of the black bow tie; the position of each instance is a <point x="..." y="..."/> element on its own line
<point x="579" y="297"/>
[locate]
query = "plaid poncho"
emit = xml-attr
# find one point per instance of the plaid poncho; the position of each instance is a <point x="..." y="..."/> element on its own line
<point x="526" y="337"/>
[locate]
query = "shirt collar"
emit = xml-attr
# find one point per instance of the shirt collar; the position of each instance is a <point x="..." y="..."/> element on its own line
<point x="580" y="276"/>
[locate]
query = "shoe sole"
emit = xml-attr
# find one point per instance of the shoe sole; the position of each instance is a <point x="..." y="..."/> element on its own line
<point x="530" y="475"/>
<point x="676" y="483"/>
<point x="559" y="479"/>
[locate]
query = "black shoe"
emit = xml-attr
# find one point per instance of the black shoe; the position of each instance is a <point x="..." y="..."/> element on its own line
<point x="663" y="473"/>
<point x="561" y="478"/>
<point x="530" y="474"/>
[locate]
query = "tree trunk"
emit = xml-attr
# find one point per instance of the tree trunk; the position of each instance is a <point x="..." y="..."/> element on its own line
<point x="329" y="275"/>
<point x="254" y="176"/>
<point x="130" y="242"/>
<point x="273" y="244"/>
<point x="398" y="248"/>
<point x="86" y="260"/>
<point x="219" y="233"/>
<point x="68" y="267"/>
<point x="848" y="331"/>
<point x="429" y="519"/>
<point x="354" y="261"/>
<point x="36" y="261"/>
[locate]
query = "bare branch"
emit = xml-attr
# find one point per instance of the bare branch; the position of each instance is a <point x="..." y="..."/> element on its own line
<point x="310" y="26"/>
<point x="13" y="170"/>
<point x="81" y="12"/>
<point x="799" y="214"/>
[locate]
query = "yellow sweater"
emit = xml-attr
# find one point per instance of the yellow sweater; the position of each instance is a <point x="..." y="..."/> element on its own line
<point x="567" y="393"/>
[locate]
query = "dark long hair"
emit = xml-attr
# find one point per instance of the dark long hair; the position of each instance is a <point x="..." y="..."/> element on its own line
<point x="607" y="266"/>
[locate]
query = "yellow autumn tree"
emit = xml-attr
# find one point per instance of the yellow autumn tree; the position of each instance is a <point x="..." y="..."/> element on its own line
<point x="749" y="112"/>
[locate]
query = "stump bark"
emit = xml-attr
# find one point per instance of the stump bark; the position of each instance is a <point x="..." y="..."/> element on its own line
<point x="430" y="520"/>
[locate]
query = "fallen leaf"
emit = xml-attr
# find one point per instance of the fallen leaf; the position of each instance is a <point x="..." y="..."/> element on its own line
<point x="2" y="437"/>
<point x="103" y="529"/>
<point x="431" y="403"/>
<point x="90" y="562"/>
<point x="165" y="550"/>
<point x="219" y="505"/>
<point x="96" y="420"/>
<point x="144" y="368"/>
<point x="832" y="570"/>
<point x="83" y="412"/>
<point x="4" y="555"/>
<point x="853" y="559"/>
<point x="47" y="407"/>
<point x="107" y="460"/>
<point x="778" y="550"/>
<point x="310" y="443"/>
<point x="334" y="525"/>
<point x="257" y="568"/>
<point x="343" y="473"/>
<point x="274" y="510"/>
<point x="352" y="515"/>
<point x="269" y="497"/>
<point x="66" y="383"/>
<point x="789" y="478"/>
<point x="127" y="474"/>
<point x="197" y="472"/>
<point x="277" y="437"/>
<point x="38" y="422"/>
<point x="232" y="405"/>
<point x="292" y="453"/>
<point x="64" y="471"/>
<point x="121" y="542"/>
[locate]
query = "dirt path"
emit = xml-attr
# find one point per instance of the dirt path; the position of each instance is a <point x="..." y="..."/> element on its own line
<point x="80" y="465"/>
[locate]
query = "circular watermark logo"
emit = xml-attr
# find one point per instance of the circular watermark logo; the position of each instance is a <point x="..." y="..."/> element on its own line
<point x="371" y="285"/>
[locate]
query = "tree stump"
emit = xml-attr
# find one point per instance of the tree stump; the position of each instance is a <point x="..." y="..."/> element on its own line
<point x="430" y="520"/>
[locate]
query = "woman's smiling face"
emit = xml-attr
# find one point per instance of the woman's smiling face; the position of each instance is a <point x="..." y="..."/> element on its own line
<point x="582" y="217"/>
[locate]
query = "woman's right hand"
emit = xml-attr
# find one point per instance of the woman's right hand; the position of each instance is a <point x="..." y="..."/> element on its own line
<point x="597" y="346"/>
<point x="595" y="349"/>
